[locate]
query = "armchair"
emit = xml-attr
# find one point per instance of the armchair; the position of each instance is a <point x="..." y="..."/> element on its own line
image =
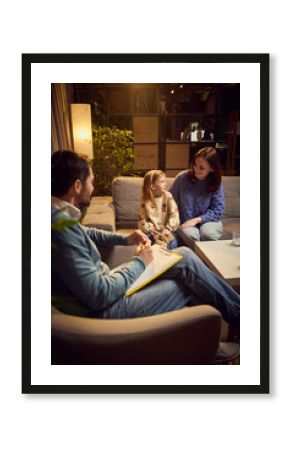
<point x="187" y="336"/>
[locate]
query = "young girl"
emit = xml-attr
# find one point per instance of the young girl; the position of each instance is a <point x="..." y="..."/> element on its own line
<point x="200" y="198"/>
<point x="158" y="216"/>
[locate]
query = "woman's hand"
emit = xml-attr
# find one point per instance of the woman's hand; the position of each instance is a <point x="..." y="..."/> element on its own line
<point x="137" y="237"/>
<point x="191" y="223"/>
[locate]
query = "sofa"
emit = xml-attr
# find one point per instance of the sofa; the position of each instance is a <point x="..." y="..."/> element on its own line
<point x="119" y="212"/>
<point x="187" y="336"/>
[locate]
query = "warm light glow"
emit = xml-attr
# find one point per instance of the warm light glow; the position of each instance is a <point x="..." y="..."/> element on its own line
<point x="82" y="134"/>
<point x="172" y="92"/>
<point x="82" y="128"/>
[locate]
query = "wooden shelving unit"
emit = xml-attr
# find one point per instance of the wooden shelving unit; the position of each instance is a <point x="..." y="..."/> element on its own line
<point x="159" y="113"/>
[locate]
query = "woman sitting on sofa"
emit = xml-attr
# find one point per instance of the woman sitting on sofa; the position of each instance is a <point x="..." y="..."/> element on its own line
<point x="200" y="198"/>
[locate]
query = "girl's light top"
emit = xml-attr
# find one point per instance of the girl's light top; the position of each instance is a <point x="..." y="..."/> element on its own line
<point x="163" y="215"/>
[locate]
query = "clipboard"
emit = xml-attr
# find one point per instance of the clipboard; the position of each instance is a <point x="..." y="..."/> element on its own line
<point x="162" y="261"/>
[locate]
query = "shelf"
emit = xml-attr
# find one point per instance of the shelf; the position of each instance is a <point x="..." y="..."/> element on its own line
<point x="135" y="114"/>
<point x="146" y="114"/>
<point x="146" y="128"/>
<point x="146" y="156"/>
<point x="199" y="114"/>
<point x="145" y="142"/>
<point x="176" y="156"/>
<point x="159" y="112"/>
<point x="175" y="142"/>
<point x="220" y="141"/>
<point x="120" y="114"/>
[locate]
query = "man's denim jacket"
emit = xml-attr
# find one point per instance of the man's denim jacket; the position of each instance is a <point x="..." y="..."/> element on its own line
<point x="81" y="283"/>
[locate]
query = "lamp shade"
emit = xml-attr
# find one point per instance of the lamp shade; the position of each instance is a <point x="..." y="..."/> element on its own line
<point x="82" y="128"/>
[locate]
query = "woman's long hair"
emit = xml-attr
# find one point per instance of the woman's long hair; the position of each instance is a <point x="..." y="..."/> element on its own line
<point x="214" y="178"/>
<point x="150" y="178"/>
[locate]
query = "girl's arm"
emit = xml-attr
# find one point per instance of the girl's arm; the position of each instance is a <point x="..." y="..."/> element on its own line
<point x="215" y="211"/>
<point x="144" y="223"/>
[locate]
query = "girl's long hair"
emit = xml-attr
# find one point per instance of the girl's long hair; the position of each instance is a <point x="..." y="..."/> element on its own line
<point x="214" y="178"/>
<point x="150" y="178"/>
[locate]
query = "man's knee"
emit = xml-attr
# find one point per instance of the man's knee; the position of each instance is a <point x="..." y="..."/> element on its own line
<point x="190" y="261"/>
<point x="185" y="252"/>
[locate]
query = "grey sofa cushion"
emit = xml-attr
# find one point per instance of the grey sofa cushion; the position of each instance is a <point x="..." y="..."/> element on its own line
<point x="100" y="214"/>
<point x="232" y="196"/>
<point x="230" y="225"/>
<point x="126" y="192"/>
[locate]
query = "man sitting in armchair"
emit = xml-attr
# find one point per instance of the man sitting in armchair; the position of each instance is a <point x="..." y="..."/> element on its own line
<point x="83" y="285"/>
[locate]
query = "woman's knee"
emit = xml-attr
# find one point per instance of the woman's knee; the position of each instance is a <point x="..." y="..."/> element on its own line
<point x="211" y="231"/>
<point x="190" y="234"/>
<point x="210" y="236"/>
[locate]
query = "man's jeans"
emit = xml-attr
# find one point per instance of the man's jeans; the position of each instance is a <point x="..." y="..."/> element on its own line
<point x="189" y="282"/>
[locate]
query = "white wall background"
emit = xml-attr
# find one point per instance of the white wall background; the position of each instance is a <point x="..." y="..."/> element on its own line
<point x="109" y="422"/>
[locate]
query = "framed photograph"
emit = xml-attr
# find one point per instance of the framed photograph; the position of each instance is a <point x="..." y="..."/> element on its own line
<point x="155" y="112"/>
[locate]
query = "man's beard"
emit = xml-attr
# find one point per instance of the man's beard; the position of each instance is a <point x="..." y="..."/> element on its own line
<point x="83" y="204"/>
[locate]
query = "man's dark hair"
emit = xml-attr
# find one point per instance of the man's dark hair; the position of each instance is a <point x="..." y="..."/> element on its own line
<point x="66" y="168"/>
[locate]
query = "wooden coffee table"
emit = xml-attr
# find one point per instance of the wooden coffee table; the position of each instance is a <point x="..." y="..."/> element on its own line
<point x="222" y="257"/>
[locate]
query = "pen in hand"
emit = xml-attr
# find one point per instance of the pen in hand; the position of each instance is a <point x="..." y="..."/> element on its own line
<point x="145" y="252"/>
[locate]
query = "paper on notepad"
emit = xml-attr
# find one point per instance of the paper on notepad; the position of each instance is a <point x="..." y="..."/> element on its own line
<point x="162" y="261"/>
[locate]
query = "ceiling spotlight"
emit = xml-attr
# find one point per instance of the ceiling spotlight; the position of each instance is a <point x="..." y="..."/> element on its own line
<point x="172" y="92"/>
<point x="181" y="86"/>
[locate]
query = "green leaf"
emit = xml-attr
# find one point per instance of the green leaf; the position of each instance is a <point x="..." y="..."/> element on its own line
<point x="113" y="155"/>
<point x="63" y="223"/>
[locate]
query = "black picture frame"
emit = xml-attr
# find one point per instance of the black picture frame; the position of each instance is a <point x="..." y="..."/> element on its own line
<point x="263" y="61"/>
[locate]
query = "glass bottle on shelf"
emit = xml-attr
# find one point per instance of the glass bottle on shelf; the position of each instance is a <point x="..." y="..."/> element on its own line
<point x="195" y="134"/>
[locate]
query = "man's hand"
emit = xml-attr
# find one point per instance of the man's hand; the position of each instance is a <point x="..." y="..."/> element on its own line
<point x="191" y="223"/>
<point x="137" y="237"/>
<point x="145" y="252"/>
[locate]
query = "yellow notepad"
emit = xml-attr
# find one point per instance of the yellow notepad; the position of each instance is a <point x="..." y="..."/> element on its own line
<point x="162" y="261"/>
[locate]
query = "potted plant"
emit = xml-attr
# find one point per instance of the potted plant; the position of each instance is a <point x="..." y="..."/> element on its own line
<point x="113" y="155"/>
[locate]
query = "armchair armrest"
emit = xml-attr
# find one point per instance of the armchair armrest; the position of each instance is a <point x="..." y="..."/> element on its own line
<point x="186" y="336"/>
<point x="101" y="214"/>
